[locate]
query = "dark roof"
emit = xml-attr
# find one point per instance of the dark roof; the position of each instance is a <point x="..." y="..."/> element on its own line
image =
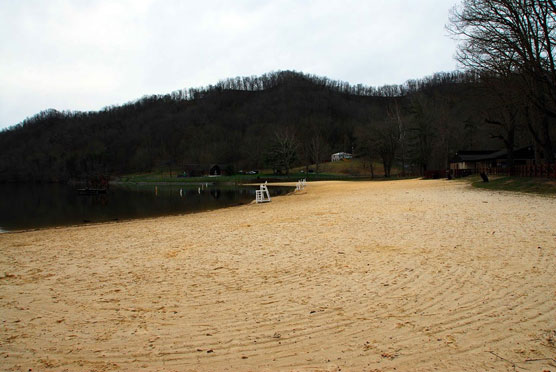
<point x="476" y="152"/>
<point x="472" y="155"/>
<point x="526" y="152"/>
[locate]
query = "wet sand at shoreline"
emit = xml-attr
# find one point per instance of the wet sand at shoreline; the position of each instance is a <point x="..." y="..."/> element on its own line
<point x="358" y="276"/>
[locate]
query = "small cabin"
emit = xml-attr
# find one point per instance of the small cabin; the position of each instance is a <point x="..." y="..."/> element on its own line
<point x="215" y="171"/>
<point x="203" y="170"/>
<point x="340" y="156"/>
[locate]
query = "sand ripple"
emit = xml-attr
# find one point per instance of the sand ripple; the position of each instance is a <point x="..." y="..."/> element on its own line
<point x="406" y="275"/>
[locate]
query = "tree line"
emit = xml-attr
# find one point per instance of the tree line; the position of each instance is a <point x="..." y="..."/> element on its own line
<point x="298" y="121"/>
<point x="505" y="97"/>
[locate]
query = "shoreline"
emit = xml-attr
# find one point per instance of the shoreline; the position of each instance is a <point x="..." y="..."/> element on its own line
<point x="182" y="213"/>
<point x="408" y="274"/>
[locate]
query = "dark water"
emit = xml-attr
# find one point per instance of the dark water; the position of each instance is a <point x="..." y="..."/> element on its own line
<point x="34" y="206"/>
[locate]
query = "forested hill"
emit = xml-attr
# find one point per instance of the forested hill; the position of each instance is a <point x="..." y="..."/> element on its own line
<point x="240" y="122"/>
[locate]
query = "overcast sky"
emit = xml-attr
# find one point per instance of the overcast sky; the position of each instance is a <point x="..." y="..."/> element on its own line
<point x="84" y="55"/>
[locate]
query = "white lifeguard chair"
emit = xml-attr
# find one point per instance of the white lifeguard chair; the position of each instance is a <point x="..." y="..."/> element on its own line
<point x="262" y="195"/>
<point x="300" y="185"/>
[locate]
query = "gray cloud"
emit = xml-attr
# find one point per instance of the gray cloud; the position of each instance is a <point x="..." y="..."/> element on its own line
<point x="83" y="55"/>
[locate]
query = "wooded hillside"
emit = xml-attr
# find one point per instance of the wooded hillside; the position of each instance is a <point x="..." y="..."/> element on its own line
<point x="250" y="122"/>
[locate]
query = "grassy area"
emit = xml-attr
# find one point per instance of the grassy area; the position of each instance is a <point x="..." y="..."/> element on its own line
<point x="167" y="177"/>
<point x="349" y="167"/>
<point x="534" y="185"/>
<point x="353" y="169"/>
<point x="357" y="167"/>
<point x="161" y="177"/>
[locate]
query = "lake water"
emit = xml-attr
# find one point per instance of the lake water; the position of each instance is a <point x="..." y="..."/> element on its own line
<point x="34" y="206"/>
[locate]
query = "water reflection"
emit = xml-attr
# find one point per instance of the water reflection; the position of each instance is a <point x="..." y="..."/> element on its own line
<point x="32" y="206"/>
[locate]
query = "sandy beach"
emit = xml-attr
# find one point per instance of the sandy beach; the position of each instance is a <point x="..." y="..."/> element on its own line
<point x="410" y="275"/>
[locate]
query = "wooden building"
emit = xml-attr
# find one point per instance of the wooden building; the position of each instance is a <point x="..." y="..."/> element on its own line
<point x="470" y="162"/>
<point x="201" y="170"/>
<point x="340" y="156"/>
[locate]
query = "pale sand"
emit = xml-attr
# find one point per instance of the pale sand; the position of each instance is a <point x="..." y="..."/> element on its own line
<point x="413" y="275"/>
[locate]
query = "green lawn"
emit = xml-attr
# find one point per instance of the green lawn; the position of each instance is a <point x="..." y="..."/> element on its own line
<point x="534" y="185"/>
<point x="161" y="177"/>
<point x="352" y="169"/>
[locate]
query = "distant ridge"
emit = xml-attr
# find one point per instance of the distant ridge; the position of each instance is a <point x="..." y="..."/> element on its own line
<point x="232" y="122"/>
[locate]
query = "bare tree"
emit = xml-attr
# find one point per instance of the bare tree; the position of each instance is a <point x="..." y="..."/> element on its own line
<point x="318" y="147"/>
<point x="395" y="116"/>
<point x="388" y="139"/>
<point x="283" y="151"/>
<point x="505" y="109"/>
<point x="381" y="138"/>
<point x="422" y="132"/>
<point x="313" y="145"/>
<point x="367" y="147"/>
<point x="505" y="37"/>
